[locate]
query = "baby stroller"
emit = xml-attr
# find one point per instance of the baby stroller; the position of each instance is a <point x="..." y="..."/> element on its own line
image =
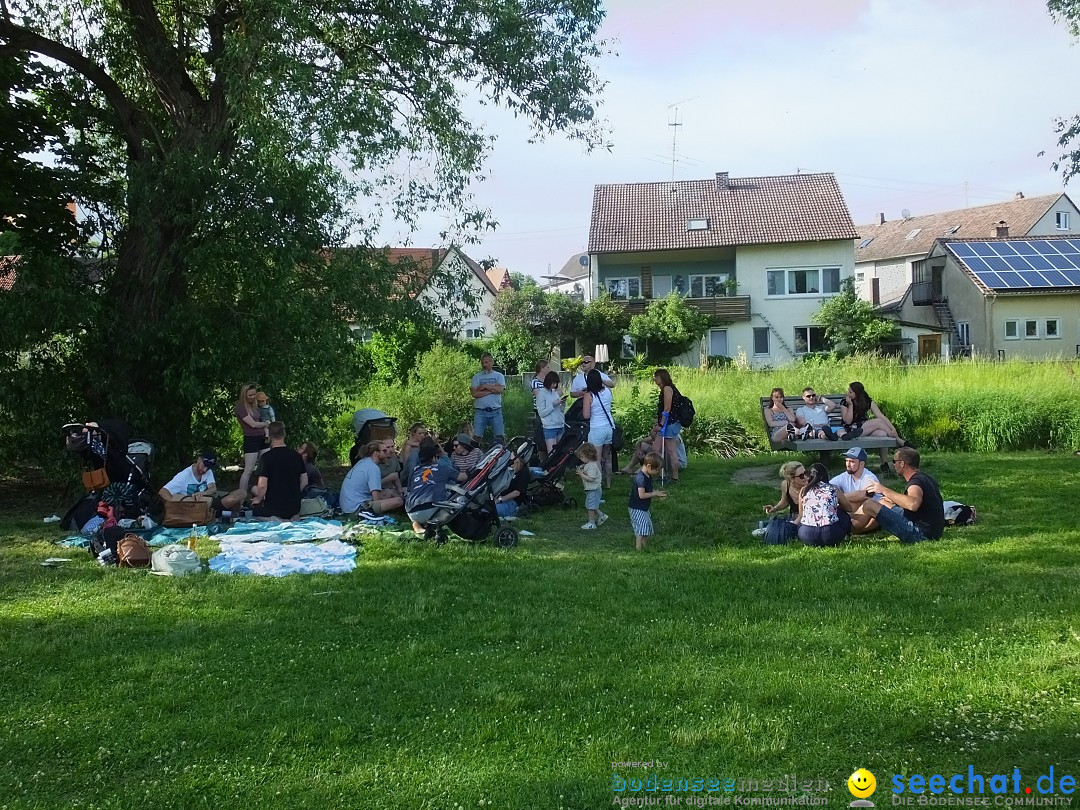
<point x="546" y="489"/>
<point x="469" y="510"/>
<point x="368" y="425"/>
<point x="108" y="445"/>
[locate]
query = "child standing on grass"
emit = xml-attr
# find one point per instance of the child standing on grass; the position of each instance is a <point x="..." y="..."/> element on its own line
<point x="591" y="477"/>
<point x="641" y="495"/>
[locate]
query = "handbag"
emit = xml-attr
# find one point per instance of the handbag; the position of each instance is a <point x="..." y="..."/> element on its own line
<point x="184" y="512"/>
<point x="618" y="441"/>
<point x="94" y="480"/>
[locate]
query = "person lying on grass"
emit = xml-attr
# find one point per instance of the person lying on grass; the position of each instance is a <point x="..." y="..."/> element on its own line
<point x="915" y="515"/>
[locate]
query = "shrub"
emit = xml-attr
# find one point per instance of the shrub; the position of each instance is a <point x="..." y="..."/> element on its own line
<point x="722" y="436"/>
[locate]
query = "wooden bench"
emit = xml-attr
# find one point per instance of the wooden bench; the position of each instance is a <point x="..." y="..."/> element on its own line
<point x="823" y="446"/>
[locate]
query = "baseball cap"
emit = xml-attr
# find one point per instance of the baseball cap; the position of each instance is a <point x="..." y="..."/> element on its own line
<point x="856" y="453"/>
<point x="209" y="458"/>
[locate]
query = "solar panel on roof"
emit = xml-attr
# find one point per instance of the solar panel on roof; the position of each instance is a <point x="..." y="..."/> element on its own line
<point x="1022" y="264"/>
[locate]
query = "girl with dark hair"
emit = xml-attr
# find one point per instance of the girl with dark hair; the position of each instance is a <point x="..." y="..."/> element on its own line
<point x="668" y="426"/>
<point x="825" y="512"/>
<point x="780" y="417"/>
<point x="596" y="409"/>
<point x="863" y="417"/>
<point x="549" y="406"/>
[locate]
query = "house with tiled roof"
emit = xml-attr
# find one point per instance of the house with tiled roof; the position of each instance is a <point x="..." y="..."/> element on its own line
<point x="452" y="286"/>
<point x="756" y="254"/>
<point x="572" y="278"/>
<point x="1000" y="297"/>
<point x="888" y="249"/>
<point x="9" y="271"/>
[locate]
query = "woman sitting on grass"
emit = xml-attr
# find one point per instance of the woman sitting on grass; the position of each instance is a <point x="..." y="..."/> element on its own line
<point x="792" y="480"/>
<point x="863" y="417"/>
<point x="825" y="511"/>
<point x="780" y="418"/>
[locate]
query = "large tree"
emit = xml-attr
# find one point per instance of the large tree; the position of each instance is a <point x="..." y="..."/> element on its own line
<point x="226" y="145"/>
<point x="1068" y="129"/>
<point x="851" y="324"/>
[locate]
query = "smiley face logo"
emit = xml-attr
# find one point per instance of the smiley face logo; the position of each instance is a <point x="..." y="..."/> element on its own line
<point x="861" y="783"/>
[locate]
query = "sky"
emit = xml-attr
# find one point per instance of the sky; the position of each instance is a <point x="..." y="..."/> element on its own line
<point x="923" y="105"/>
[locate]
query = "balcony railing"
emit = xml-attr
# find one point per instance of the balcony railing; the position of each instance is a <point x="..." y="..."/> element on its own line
<point x="723" y="307"/>
<point x="926" y="292"/>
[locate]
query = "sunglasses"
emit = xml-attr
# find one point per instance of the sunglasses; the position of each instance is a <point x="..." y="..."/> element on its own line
<point x="802" y="475"/>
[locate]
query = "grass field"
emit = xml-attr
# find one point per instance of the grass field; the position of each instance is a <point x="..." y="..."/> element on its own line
<point x="467" y="677"/>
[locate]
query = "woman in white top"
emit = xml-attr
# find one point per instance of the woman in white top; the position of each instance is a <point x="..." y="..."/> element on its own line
<point x="549" y="405"/>
<point x="596" y="408"/>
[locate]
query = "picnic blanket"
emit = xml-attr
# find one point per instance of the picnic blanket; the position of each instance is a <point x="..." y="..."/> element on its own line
<point x="277" y="560"/>
<point x="304" y="530"/>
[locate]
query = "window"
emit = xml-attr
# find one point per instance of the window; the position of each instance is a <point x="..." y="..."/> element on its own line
<point x="1011" y="332"/>
<point x="623" y="288"/>
<point x="963" y="329"/>
<point x="661" y="286"/>
<point x="698" y="224"/>
<point x="708" y="286"/>
<point x="1031" y="329"/>
<point x="1062" y="219"/>
<point x="718" y="342"/>
<point x="803" y="281"/>
<point x="859" y="276"/>
<point x="810" y="339"/>
<point x="761" y="340"/>
<point x="952" y="230"/>
<point x="913" y="233"/>
<point x="866" y="242"/>
<point x="473" y="331"/>
<point x="1053" y="328"/>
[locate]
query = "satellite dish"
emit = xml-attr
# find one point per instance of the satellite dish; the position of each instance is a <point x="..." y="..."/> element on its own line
<point x="583" y="260"/>
<point x="906" y="214"/>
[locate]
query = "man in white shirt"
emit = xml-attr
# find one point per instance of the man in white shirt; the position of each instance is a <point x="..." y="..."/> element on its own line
<point x="814" y="416"/>
<point x="577" y="385"/>
<point x="196" y="481"/>
<point x="853" y="482"/>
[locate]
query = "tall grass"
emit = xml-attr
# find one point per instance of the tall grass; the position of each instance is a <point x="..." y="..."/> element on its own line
<point x="962" y="406"/>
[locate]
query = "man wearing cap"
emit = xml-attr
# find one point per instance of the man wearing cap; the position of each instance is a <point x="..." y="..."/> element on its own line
<point x="853" y="482"/>
<point x="196" y="482"/>
<point x="917" y="514"/>
<point x="487" y="390"/>
<point x="577" y="385"/>
<point x="427" y="484"/>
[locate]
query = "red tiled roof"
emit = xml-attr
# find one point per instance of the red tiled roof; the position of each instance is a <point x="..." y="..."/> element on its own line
<point x="427" y="259"/>
<point x="499" y="277"/>
<point x="739" y="211"/>
<point x="890" y="239"/>
<point x="8" y="273"/>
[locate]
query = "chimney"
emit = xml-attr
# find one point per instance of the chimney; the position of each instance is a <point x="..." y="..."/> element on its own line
<point x="1001" y="229"/>
<point x="881" y="219"/>
<point x="1019" y="195"/>
<point x="722" y="180"/>
<point x="875" y="291"/>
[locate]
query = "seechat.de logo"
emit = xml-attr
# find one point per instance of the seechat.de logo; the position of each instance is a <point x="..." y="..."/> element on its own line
<point x="862" y="785"/>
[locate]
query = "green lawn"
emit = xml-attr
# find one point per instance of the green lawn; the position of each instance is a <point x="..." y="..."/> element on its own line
<point x="465" y="677"/>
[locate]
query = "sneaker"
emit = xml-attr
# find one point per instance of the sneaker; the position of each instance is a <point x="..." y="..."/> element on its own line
<point x="854" y="433"/>
<point x="790" y="432"/>
<point x="589" y="525"/>
<point x="757" y="533"/>
<point x="830" y="434"/>
<point x="600" y="520"/>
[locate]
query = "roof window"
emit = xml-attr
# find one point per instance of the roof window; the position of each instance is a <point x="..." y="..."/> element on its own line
<point x="952" y="230"/>
<point x="698" y="224"/>
<point x="866" y="242"/>
<point x="913" y="234"/>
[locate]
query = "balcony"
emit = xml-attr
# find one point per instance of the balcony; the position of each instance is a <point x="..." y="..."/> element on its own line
<point x="722" y="307"/>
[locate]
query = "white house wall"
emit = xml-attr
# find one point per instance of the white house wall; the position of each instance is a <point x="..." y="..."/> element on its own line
<point x="1047" y="224"/>
<point x="451" y="310"/>
<point x="894" y="276"/>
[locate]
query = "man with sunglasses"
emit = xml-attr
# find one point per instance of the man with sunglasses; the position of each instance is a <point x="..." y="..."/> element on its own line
<point x="813" y="416"/>
<point x="916" y="515"/>
<point x="577" y="385"/>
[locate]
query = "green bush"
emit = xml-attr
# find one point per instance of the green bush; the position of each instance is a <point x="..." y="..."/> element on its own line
<point x="722" y="436"/>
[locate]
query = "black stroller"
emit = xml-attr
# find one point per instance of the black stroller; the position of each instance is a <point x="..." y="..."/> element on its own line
<point x="469" y="510"/>
<point x="108" y="446"/>
<point x="547" y="489"/>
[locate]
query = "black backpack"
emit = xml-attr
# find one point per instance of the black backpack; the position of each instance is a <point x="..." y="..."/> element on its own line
<point x="684" y="410"/>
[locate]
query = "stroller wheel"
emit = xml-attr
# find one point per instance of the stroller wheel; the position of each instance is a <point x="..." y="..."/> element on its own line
<point x="506" y="538"/>
<point x="441" y="536"/>
<point x="570" y="503"/>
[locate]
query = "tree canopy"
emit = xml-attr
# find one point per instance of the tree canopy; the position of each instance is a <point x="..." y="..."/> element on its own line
<point x="851" y="325"/>
<point x="668" y="327"/>
<point x="226" y="149"/>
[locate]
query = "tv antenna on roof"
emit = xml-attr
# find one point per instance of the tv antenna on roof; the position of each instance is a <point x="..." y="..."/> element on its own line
<point x="674" y="124"/>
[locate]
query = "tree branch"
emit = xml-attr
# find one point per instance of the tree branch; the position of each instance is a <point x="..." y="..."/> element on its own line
<point x="134" y="128"/>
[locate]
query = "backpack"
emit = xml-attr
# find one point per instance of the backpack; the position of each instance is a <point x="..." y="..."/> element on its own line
<point x="780" y="531"/>
<point x="132" y="552"/>
<point x="684" y="410"/>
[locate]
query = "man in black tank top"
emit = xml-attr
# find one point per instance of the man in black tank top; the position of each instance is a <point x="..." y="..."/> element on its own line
<point x="916" y="515"/>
